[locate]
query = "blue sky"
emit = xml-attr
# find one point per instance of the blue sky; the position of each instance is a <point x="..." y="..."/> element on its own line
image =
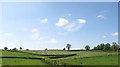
<point x="52" y="25"/>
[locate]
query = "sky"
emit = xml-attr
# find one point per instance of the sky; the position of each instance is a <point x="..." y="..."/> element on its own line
<point x="52" y="25"/>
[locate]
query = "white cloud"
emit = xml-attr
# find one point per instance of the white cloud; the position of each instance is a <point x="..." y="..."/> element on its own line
<point x="34" y="30"/>
<point x="114" y="34"/>
<point x="8" y="34"/>
<point x="44" y="20"/>
<point x="100" y="16"/>
<point x="62" y="22"/>
<point x="71" y="26"/>
<point x="82" y="21"/>
<point x="53" y="41"/>
<point x="104" y="36"/>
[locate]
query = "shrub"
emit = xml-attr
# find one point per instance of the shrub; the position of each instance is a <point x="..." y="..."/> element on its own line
<point x="15" y="49"/>
<point x="27" y="49"/>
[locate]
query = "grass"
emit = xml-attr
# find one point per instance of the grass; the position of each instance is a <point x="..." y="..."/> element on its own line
<point x="20" y="61"/>
<point x="18" y="54"/>
<point x="16" y="61"/>
<point x="82" y="58"/>
<point x="0" y="58"/>
<point x="79" y="53"/>
<point x="103" y="60"/>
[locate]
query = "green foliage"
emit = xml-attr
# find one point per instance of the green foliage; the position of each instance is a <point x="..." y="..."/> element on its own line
<point x="107" y="46"/>
<point x="102" y="46"/>
<point x="27" y="49"/>
<point x="20" y="48"/>
<point x="68" y="46"/>
<point x="115" y="46"/>
<point x="14" y="49"/>
<point x="63" y="48"/>
<point x="46" y="49"/>
<point x="87" y="47"/>
<point x="5" y="48"/>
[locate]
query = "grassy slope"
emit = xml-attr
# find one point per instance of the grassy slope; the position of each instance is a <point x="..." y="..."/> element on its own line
<point x="79" y="53"/>
<point x="17" y="54"/>
<point x="74" y="60"/>
<point x="104" y="60"/>
<point x="15" y="61"/>
<point x="95" y="57"/>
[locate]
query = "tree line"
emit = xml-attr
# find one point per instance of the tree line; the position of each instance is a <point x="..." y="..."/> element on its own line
<point x="102" y="46"/>
<point x="107" y="46"/>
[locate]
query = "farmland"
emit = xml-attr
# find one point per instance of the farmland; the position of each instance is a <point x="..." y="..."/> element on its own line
<point x="17" y="61"/>
<point x="59" y="57"/>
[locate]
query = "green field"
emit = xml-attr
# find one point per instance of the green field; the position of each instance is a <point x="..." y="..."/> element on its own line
<point x="81" y="57"/>
<point x="17" y="61"/>
<point x="103" y="60"/>
<point x="20" y="61"/>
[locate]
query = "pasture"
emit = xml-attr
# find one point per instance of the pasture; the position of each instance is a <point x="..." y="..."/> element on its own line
<point x="59" y="57"/>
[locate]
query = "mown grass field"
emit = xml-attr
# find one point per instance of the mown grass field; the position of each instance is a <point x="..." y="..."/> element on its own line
<point x="81" y="57"/>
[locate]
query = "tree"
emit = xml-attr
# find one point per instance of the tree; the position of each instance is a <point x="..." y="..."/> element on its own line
<point x="102" y="46"/>
<point x="68" y="46"/>
<point x="98" y="47"/>
<point x="5" y="48"/>
<point x="87" y="47"/>
<point x="115" y="46"/>
<point x="63" y="48"/>
<point x="20" y="48"/>
<point x="95" y="48"/>
<point x="107" y="46"/>
<point x="27" y="49"/>
<point x="46" y="49"/>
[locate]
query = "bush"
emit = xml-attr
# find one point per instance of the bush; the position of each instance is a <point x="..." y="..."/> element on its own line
<point x="27" y="49"/>
<point x="14" y="49"/>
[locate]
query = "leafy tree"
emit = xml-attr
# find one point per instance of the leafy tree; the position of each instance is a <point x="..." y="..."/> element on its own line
<point x="102" y="46"/>
<point x="68" y="46"/>
<point x="107" y="46"/>
<point x="5" y="48"/>
<point x="95" y="48"/>
<point x="98" y="47"/>
<point x="20" y="48"/>
<point x="115" y="46"/>
<point x="87" y="47"/>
